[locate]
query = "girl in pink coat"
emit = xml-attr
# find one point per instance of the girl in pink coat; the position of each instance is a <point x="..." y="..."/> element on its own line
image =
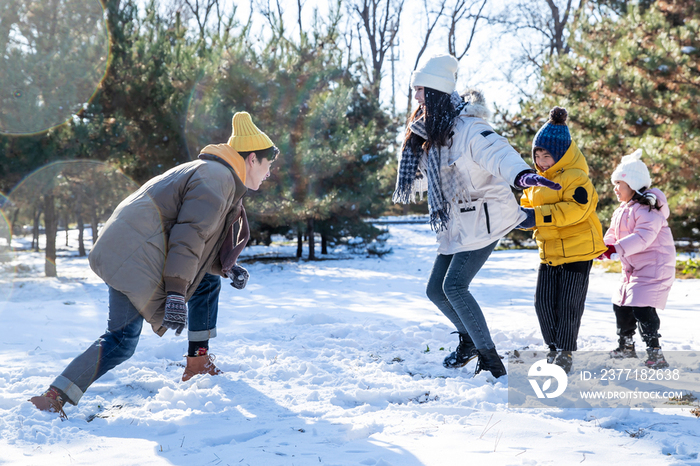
<point x="640" y="236"/>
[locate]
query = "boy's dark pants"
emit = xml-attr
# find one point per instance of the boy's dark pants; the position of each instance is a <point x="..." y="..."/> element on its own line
<point x="560" y="298"/>
<point x="628" y="317"/>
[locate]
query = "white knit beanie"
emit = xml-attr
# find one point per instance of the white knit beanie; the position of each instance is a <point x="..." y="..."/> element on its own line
<point x="632" y="171"/>
<point x="437" y="73"/>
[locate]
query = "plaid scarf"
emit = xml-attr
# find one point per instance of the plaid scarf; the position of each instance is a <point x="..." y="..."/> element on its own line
<point x="444" y="186"/>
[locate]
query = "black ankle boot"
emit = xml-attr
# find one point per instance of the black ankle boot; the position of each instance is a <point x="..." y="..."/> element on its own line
<point x="489" y="360"/>
<point x="465" y="352"/>
<point x="564" y="360"/>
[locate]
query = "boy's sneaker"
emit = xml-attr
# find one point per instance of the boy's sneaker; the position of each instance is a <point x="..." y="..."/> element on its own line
<point x="552" y="355"/>
<point x="655" y="359"/>
<point x="625" y="349"/>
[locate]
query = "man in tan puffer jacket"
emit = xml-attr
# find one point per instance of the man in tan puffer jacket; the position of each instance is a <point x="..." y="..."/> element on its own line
<point x="163" y="251"/>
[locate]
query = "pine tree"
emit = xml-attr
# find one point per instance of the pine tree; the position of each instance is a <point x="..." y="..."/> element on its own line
<point x="331" y="132"/>
<point x="631" y="82"/>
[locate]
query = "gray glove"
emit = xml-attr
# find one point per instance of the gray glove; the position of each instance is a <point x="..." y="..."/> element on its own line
<point x="175" y="313"/>
<point x="239" y="277"/>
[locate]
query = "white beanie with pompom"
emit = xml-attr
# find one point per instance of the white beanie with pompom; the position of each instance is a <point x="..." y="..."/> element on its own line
<point x="633" y="171"/>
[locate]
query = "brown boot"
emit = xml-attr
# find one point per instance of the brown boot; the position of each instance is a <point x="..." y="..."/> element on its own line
<point x="200" y="365"/>
<point x="50" y="401"/>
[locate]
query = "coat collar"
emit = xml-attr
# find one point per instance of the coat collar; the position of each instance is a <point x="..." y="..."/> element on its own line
<point x="229" y="155"/>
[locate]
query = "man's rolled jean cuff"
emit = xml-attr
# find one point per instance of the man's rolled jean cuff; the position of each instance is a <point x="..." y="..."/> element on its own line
<point x="71" y="390"/>
<point x="201" y="335"/>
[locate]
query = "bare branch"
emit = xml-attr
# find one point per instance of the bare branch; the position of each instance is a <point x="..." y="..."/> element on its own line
<point x="300" y="5"/>
<point x="430" y="26"/>
<point x="461" y="12"/>
<point x="201" y="14"/>
<point x="379" y="24"/>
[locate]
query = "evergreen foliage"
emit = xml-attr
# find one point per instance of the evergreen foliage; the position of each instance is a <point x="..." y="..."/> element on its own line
<point x="331" y="131"/>
<point x="631" y="81"/>
<point x="170" y="89"/>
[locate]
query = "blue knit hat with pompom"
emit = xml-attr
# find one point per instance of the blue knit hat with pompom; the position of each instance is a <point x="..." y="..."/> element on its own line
<point x="554" y="135"/>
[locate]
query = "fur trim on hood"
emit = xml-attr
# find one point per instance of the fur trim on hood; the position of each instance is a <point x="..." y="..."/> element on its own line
<point x="476" y="104"/>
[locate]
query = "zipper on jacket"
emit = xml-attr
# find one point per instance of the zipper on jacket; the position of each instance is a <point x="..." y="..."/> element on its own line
<point x="488" y="220"/>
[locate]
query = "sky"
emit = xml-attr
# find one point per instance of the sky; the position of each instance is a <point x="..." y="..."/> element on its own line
<point x="333" y="362"/>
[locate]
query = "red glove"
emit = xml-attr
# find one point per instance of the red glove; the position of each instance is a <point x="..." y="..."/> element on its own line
<point x="608" y="253"/>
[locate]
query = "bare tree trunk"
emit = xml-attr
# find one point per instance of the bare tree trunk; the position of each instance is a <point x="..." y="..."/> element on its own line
<point x="51" y="228"/>
<point x="65" y="221"/>
<point x="81" y="236"/>
<point x="310" y="233"/>
<point x="81" y="227"/>
<point x="300" y="242"/>
<point x="93" y="224"/>
<point x="324" y="243"/>
<point x="379" y="20"/>
<point x="13" y="225"/>
<point x="35" y="230"/>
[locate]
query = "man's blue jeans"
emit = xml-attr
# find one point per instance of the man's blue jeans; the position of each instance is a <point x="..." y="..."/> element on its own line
<point x="448" y="289"/>
<point x="124" y="326"/>
<point x="203" y="308"/>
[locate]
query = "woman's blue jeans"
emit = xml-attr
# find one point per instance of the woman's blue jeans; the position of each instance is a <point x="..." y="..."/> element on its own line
<point x="124" y="326"/>
<point x="448" y="289"/>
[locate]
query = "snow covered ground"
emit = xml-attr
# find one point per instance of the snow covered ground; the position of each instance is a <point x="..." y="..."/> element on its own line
<point x="335" y="362"/>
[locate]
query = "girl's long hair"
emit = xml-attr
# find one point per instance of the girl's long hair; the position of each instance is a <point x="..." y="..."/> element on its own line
<point x="439" y="117"/>
<point x="639" y="197"/>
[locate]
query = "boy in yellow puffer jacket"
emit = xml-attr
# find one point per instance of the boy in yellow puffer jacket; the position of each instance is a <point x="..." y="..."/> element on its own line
<point x="568" y="234"/>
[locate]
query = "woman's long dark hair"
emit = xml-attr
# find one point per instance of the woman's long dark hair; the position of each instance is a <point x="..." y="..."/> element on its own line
<point x="439" y="117"/>
<point x="412" y="140"/>
<point x="638" y="196"/>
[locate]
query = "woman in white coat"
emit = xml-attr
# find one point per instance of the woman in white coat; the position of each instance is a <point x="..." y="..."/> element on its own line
<point x="468" y="170"/>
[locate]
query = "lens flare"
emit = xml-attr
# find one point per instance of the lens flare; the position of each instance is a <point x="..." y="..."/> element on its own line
<point x="208" y="117"/>
<point x="83" y="192"/>
<point x="52" y="61"/>
<point x="8" y="261"/>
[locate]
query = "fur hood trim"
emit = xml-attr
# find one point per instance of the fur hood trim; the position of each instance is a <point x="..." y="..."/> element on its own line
<point x="476" y="104"/>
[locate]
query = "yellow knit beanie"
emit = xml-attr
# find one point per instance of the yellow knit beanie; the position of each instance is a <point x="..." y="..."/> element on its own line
<point x="246" y="137"/>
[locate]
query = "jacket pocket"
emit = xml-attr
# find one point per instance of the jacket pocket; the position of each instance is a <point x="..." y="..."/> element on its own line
<point x="579" y="245"/>
<point x="472" y="222"/>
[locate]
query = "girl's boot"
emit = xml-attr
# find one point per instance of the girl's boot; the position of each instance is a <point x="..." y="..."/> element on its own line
<point x="655" y="359"/>
<point x="625" y="348"/>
